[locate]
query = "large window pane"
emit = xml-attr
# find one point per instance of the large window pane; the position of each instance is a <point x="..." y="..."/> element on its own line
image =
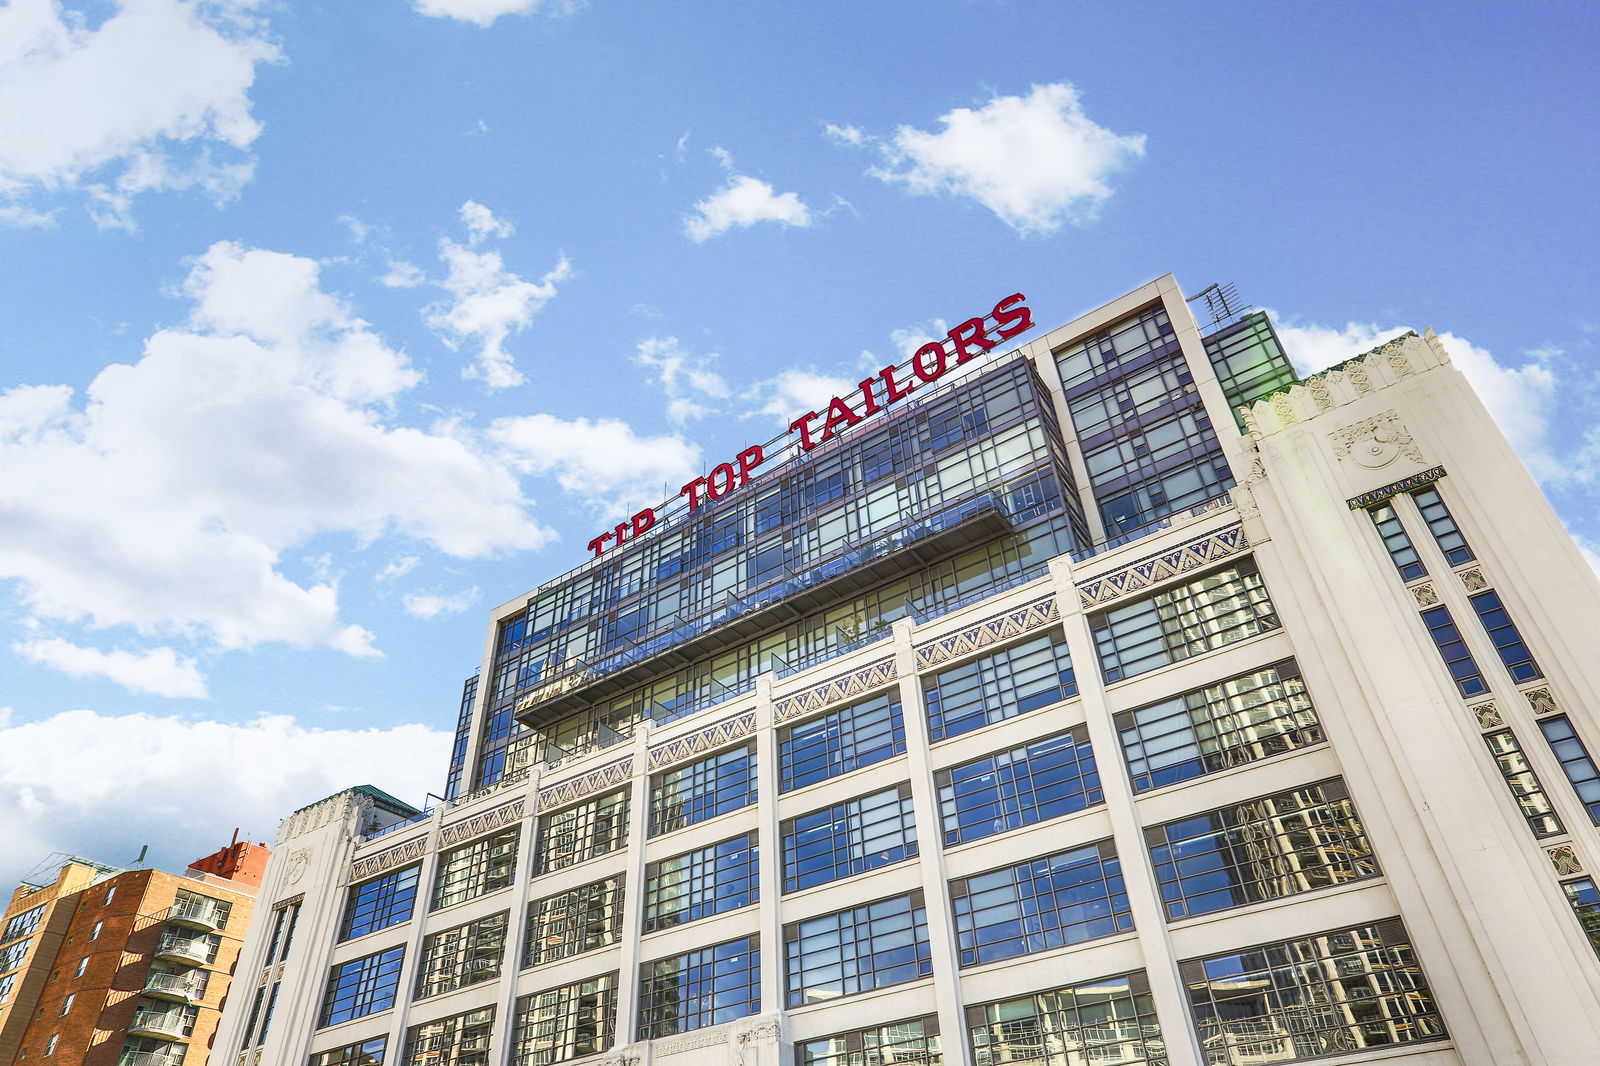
<point x="704" y="789"/>
<point x="1183" y="620"/>
<point x="380" y="903"/>
<point x="909" y="1043"/>
<point x="840" y="741"/>
<point x="1000" y="685"/>
<point x="472" y="870"/>
<point x="575" y="921"/>
<point x="700" y="883"/>
<point x="460" y="1040"/>
<point x="1333" y="993"/>
<point x="1018" y="787"/>
<point x="849" y="838"/>
<point x="565" y="1023"/>
<point x="1109" y="1022"/>
<point x="1253" y="716"/>
<point x="465" y="955"/>
<point x="706" y="987"/>
<point x="1265" y="848"/>
<point x="583" y="831"/>
<point x="1040" y="904"/>
<point x="361" y="987"/>
<point x="873" y="946"/>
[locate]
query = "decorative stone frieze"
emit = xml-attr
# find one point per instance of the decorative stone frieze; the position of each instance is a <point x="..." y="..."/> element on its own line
<point x="1014" y="623"/>
<point x="480" y="823"/>
<point x="1375" y="442"/>
<point x="1195" y="555"/>
<point x="1395" y="488"/>
<point x="713" y="736"/>
<point x="570" y="791"/>
<point x="389" y="858"/>
<point x="835" y="690"/>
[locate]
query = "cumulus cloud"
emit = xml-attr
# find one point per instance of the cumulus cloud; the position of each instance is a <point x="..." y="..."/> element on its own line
<point x="487" y="302"/>
<point x="1520" y="398"/>
<point x="744" y="201"/>
<point x="159" y="671"/>
<point x="1036" y="161"/>
<point x="603" y="462"/>
<point x="398" y="568"/>
<point x="163" y="500"/>
<point x="692" y="387"/>
<point x="845" y="134"/>
<point x="485" y="12"/>
<point x="794" y="392"/>
<point x="153" y="97"/>
<point x="98" y="784"/>
<point x="427" y="605"/>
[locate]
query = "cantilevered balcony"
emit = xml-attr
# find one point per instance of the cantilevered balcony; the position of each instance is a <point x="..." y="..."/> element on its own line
<point x="672" y="643"/>
<point x="184" y="950"/>
<point x="207" y="914"/>
<point x="171" y="1056"/>
<point x="160" y="1024"/>
<point x="178" y="987"/>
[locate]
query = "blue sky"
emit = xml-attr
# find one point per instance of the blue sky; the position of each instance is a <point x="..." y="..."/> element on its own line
<point x="329" y="326"/>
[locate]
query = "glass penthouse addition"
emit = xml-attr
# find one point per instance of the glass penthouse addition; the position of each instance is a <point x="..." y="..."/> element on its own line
<point x="960" y="492"/>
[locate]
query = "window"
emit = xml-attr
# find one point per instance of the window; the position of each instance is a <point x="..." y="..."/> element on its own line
<point x="909" y="1043"/>
<point x="50" y="1045"/>
<point x="579" y="920"/>
<point x="565" y="1023"/>
<point x="12" y="954"/>
<point x="706" y="987"/>
<point x="378" y="903"/>
<point x="1001" y="685"/>
<point x="366" y="1053"/>
<point x="700" y="883"/>
<point x="472" y="870"/>
<point x="1011" y="789"/>
<point x="856" y="950"/>
<point x="1261" y="849"/>
<point x="23" y="924"/>
<point x="6" y="984"/>
<point x="459" y="1040"/>
<point x="361" y="987"/>
<point x="94" y="934"/>
<point x="1396" y="543"/>
<point x="1585" y="900"/>
<point x="465" y="955"/>
<point x="1040" y="904"/>
<point x="1503" y="633"/>
<point x="581" y="832"/>
<point x="1230" y="723"/>
<point x="844" y="740"/>
<point x="1183" y="620"/>
<point x="1346" y="990"/>
<point x="111" y="894"/>
<point x="1523" y="783"/>
<point x="849" y="838"/>
<point x="266" y="1015"/>
<point x="1575" y="762"/>
<point x="1111" y="1021"/>
<point x="1457" y="659"/>
<point x="699" y="790"/>
<point x="66" y="1004"/>
<point x="83" y="964"/>
<point x="1444" y="529"/>
<point x="284" y="917"/>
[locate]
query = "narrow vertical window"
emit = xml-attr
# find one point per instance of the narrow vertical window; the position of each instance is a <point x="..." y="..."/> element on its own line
<point x="1523" y="783"/>
<point x="1457" y="659"/>
<point x="1397" y="543"/>
<point x="1575" y="762"/>
<point x="1444" y="529"/>
<point x="1507" y="641"/>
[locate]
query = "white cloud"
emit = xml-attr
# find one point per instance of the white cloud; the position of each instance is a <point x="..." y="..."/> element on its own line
<point x="164" y="501"/>
<point x="794" y="392"/>
<point x="159" y="671"/>
<point x="98" y="784"/>
<point x="845" y="134"/>
<point x="692" y="387"/>
<point x="398" y="568"/>
<point x="744" y="201"/>
<point x="403" y="275"/>
<point x="431" y="605"/>
<point x="603" y="462"/>
<point x="1521" y="399"/>
<point x="1036" y="161"/>
<point x="154" y="97"/>
<point x="488" y="302"/>
<point x="484" y="12"/>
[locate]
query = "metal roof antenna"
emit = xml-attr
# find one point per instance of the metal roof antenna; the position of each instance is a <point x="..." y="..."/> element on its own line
<point x="1222" y="303"/>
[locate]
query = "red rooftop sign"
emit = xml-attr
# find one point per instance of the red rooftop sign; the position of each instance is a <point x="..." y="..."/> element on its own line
<point x="928" y="363"/>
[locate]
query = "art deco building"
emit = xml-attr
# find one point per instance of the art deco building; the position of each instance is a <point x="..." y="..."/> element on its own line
<point x="111" y="967"/>
<point x="1116" y="699"/>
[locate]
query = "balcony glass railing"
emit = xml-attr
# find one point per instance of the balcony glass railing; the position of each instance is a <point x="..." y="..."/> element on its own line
<point x="185" y="948"/>
<point x="206" y="912"/>
<point x="151" y="1058"/>
<point x="159" y="1023"/>
<point x="173" y="984"/>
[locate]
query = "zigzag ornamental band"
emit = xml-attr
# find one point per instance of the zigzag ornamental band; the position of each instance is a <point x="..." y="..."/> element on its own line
<point x="1377" y="496"/>
<point x="999" y="627"/>
<point x="724" y="732"/>
<point x="1155" y="569"/>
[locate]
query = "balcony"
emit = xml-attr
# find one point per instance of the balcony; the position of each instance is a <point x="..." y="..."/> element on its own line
<point x="179" y="987"/>
<point x="914" y="546"/>
<point x="185" y="951"/>
<point x="206" y="914"/>
<point x="172" y="1057"/>
<point x="162" y="1025"/>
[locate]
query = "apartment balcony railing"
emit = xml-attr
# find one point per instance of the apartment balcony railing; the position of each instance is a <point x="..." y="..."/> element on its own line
<point x="199" y="914"/>
<point x="174" y="1057"/>
<point x="184" y="950"/>
<point x="176" y="986"/>
<point x="162" y="1025"/>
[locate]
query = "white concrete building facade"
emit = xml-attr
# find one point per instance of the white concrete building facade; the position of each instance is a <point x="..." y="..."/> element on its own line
<point x="1120" y="701"/>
